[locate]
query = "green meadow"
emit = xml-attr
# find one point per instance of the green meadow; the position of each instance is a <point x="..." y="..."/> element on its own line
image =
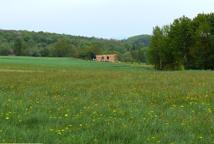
<point x="65" y="100"/>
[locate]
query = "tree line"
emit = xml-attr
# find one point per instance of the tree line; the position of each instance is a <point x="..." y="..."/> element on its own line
<point x="184" y="44"/>
<point x="43" y="44"/>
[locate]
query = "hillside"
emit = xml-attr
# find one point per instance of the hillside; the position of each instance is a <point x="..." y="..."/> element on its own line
<point x="139" y="41"/>
<point x="26" y="43"/>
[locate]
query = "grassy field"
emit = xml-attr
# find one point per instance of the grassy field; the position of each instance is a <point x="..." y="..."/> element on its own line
<point x="64" y="100"/>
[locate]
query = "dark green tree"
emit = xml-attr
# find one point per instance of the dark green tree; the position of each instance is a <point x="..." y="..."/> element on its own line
<point x="19" y="47"/>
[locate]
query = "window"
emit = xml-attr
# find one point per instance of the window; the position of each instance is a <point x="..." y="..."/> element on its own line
<point x="102" y="58"/>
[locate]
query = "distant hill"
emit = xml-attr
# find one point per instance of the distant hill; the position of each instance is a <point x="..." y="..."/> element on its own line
<point x="139" y="41"/>
<point x="29" y="43"/>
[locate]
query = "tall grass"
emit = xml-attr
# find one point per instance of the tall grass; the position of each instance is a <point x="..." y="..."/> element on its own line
<point x="53" y="100"/>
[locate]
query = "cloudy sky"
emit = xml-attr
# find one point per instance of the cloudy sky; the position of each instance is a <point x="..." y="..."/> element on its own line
<point x="101" y="18"/>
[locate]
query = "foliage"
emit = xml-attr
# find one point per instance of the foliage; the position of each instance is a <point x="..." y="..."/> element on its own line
<point x="186" y="43"/>
<point x="137" y="48"/>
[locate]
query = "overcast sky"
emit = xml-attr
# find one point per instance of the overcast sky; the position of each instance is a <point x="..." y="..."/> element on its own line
<point x="100" y="18"/>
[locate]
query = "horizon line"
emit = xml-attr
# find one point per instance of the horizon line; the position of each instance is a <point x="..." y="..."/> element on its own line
<point x="75" y="35"/>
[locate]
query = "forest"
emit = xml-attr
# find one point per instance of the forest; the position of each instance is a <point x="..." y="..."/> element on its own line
<point x="43" y="44"/>
<point x="184" y="44"/>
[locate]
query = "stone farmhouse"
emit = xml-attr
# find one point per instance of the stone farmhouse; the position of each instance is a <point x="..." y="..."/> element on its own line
<point x="107" y="58"/>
